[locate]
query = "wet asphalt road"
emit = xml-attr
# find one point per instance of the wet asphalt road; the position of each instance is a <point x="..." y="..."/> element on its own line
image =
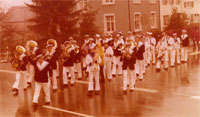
<point x="172" y="93"/>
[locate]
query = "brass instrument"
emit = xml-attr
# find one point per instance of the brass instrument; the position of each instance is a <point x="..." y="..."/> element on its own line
<point x="65" y="54"/>
<point x="126" y="53"/>
<point x="77" y="49"/>
<point x="96" y="59"/>
<point x="17" y="61"/>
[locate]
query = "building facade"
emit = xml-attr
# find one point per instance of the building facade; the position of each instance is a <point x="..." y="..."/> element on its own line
<point x="190" y="7"/>
<point x="125" y="15"/>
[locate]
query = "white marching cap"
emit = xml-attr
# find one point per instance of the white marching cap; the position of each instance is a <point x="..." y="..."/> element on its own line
<point x="129" y="32"/>
<point x="149" y="33"/>
<point x="174" y="34"/>
<point x="184" y="30"/>
<point x="91" y="39"/>
<point x="21" y="47"/>
<point x="92" y="46"/>
<point x="39" y="56"/>
<point x="49" y="45"/>
<point x="97" y="35"/>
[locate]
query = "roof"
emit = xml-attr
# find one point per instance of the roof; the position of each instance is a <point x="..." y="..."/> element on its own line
<point x="18" y="14"/>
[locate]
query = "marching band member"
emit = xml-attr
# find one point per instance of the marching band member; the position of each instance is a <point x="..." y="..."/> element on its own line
<point x="32" y="52"/>
<point x="98" y="39"/>
<point x="100" y="52"/>
<point x="129" y="36"/>
<point x="77" y="60"/>
<point x="84" y="50"/>
<point x="152" y="44"/>
<point x="171" y="50"/>
<point x="185" y="44"/>
<point x="140" y="56"/>
<point x="177" y="45"/>
<point x="68" y="65"/>
<point x="147" y="51"/>
<point x="128" y="59"/>
<point x="19" y="63"/>
<point x="51" y="55"/>
<point x="42" y="69"/>
<point x="162" y="53"/>
<point x="93" y="61"/>
<point x="117" y="64"/>
<point x="108" y="55"/>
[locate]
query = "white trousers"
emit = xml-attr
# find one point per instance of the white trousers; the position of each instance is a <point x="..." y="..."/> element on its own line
<point x="153" y="55"/>
<point x="93" y="75"/>
<point x="71" y="71"/>
<point x="184" y="54"/>
<point x="178" y="60"/>
<point x="129" y="77"/>
<point x="46" y="89"/>
<point x="78" y="69"/>
<point x="140" y="65"/>
<point x="149" y="56"/>
<point x="117" y="65"/>
<point x="54" y="79"/>
<point x="21" y="78"/>
<point x="136" y="67"/>
<point x="108" y="69"/>
<point x="165" y="58"/>
<point x="172" y="57"/>
<point x="30" y="73"/>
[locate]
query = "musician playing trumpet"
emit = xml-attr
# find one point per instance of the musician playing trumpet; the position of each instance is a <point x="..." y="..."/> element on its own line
<point x="19" y="63"/>
<point x="93" y="62"/>
<point x="128" y="60"/>
<point x="32" y="52"/>
<point x="51" y="56"/>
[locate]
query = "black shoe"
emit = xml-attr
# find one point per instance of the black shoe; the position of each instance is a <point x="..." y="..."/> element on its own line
<point x="137" y="75"/>
<point x="89" y="93"/>
<point x="172" y="66"/>
<point x="166" y="69"/>
<point x="97" y="92"/>
<point x="140" y="79"/>
<point x="131" y="90"/>
<point x="72" y="84"/>
<point x="24" y="89"/>
<point x="125" y="92"/>
<point x="65" y="86"/>
<point x="54" y="90"/>
<point x="157" y="70"/>
<point x="15" y="92"/>
<point x="47" y="103"/>
<point x="127" y="85"/>
<point x="114" y="75"/>
<point x="79" y="78"/>
<point x="29" y="84"/>
<point x="34" y="106"/>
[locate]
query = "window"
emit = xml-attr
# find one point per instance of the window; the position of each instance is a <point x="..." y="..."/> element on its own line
<point x="195" y="17"/>
<point x="171" y="2"/>
<point x="166" y="19"/>
<point x="153" y="19"/>
<point x="152" y="1"/>
<point x="109" y="22"/>
<point x="189" y="4"/>
<point x="137" y="22"/>
<point x="107" y="2"/>
<point x="164" y="2"/>
<point x="82" y="4"/>
<point x="136" y="1"/>
<point x="178" y="2"/>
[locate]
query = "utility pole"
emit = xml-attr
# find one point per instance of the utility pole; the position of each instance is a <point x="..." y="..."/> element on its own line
<point x="129" y="16"/>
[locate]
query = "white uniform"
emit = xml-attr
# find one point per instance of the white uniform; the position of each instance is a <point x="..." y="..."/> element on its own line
<point x="152" y="46"/>
<point x="147" y="52"/>
<point x="108" y="55"/>
<point x="21" y="76"/>
<point x="94" y="69"/>
<point x="177" y="45"/>
<point x="171" y="50"/>
<point x="184" y="50"/>
<point x="162" y="53"/>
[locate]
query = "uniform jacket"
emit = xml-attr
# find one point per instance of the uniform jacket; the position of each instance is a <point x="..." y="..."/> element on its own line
<point x="129" y="63"/>
<point x="170" y="43"/>
<point x="93" y="62"/>
<point x="108" y="54"/>
<point x="70" y="61"/>
<point x="185" y="40"/>
<point x="140" y="51"/>
<point x="41" y="71"/>
<point x="53" y="59"/>
<point x="177" y="43"/>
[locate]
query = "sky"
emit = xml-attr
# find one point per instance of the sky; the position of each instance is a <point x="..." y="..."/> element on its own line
<point x="9" y="3"/>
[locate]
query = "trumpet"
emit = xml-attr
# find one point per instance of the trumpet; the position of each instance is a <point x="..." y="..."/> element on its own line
<point x="96" y="59"/>
<point x="65" y="54"/>
<point x="77" y="50"/>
